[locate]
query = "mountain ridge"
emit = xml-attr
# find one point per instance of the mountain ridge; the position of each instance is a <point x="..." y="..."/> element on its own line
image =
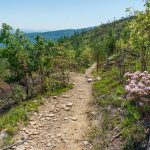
<point x="55" y="35"/>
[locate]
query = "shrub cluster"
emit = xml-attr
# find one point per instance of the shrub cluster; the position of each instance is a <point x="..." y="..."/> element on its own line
<point x="138" y="84"/>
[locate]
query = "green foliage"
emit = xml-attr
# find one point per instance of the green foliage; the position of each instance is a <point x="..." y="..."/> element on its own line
<point x="19" y="114"/>
<point x="139" y="38"/>
<point x="36" y="67"/>
<point x="5" y="72"/>
<point x="60" y="90"/>
<point x="11" y="130"/>
<point x="116" y="47"/>
<point x="8" y="140"/>
<point x="109" y="94"/>
<point x="18" y="93"/>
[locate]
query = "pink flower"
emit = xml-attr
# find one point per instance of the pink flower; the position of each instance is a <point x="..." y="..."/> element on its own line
<point x="147" y="88"/>
<point x="138" y="84"/>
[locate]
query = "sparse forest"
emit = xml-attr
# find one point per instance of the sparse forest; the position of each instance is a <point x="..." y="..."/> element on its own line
<point x="121" y="51"/>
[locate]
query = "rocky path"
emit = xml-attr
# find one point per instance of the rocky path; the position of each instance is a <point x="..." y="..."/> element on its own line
<point x="62" y="122"/>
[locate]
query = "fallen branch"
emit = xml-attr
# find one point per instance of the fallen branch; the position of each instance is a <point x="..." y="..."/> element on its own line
<point x="116" y="127"/>
<point x="116" y="136"/>
<point x="15" y="144"/>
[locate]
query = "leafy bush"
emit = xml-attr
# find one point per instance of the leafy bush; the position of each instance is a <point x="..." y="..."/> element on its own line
<point x="138" y="84"/>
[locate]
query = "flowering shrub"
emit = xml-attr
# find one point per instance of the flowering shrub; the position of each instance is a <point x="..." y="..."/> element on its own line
<point x="138" y="84"/>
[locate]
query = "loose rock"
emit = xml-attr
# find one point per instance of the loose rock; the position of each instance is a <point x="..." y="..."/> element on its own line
<point x="74" y="119"/>
<point x="66" y="118"/>
<point x="20" y="147"/>
<point x="58" y="135"/>
<point x="65" y="96"/>
<point x="49" y="144"/>
<point x="54" y="97"/>
<point x="85" y="142"/>
<point x="70" y="104"/>
<point x="90" y="80"/>
<point x="66" y="108"/>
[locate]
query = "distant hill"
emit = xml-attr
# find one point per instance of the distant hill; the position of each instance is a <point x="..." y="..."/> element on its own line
<point x="95" y="34"/>
<point x="55" y="35"/>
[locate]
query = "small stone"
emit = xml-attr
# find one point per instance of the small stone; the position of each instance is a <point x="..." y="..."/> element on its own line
<point x="66" y="108"/>
<point x="93" y="113"/>
<point x="52" y="136"/>
<point x="58" y="135"/>
<point x="35" y="113"/>
<point x="70" y="104"/>
<point x="40" y="125"/>
<point x="47" y="118"/>
<point x="42" y="119"/>
<point x="54" y="97"/>
<point x="65" y="96"/>
<point x="80" y="97"/>
<point x="57" y="109"/>
<point x="80" y="90"/>
<point x="20" y="147"/>
<point x="27" y="131"/>
<point x="52" y="108"/>
<point x="85" y="142"/>
<point x="23" y="129"/>
<point x="51" y="115"/>
<point x="74" y="119"/>
<point x="66" y="118"/>
<point x="33" y="123"/>
<point x="14" y="147"/>
<point x="53" y="145"/>
<point x="63" y="105"/>
<point x="49" y="144"/>
<point x="65" y="141"/>
<point x="90" y="80"/>
<point x="35" y="132"/>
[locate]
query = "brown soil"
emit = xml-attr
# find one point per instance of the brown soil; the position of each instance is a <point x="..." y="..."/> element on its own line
<point x="62" y="122"/>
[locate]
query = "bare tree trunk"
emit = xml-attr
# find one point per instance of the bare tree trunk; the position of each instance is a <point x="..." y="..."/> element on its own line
<point x="143" y="59"/>
<point x="97" y="65"/>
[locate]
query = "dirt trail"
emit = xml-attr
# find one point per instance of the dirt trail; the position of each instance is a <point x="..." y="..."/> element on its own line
<point x="62" y="122"/>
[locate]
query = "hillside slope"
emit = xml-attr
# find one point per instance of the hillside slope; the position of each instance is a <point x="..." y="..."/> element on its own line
<point x="55" y="35"/>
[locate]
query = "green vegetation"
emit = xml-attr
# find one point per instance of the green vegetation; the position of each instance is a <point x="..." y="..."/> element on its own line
<point x="17" y="115"/>
<point x="33" y="68"/>
<point x="123" y="120"/>
<point x="116" y="110"/>
<point x="29" y="70"/>
<point x="20" y="113"/>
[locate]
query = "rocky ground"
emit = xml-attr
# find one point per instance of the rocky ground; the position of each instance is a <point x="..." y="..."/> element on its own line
<point x="62" y="122"/>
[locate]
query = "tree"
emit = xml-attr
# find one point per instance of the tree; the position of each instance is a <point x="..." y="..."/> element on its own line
<point x="139" y="39"/>
<point x="15" y="51"/>
<point x="98" y="51"/>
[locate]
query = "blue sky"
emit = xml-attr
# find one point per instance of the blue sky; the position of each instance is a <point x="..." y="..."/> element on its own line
<point x="62" y="14"/>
